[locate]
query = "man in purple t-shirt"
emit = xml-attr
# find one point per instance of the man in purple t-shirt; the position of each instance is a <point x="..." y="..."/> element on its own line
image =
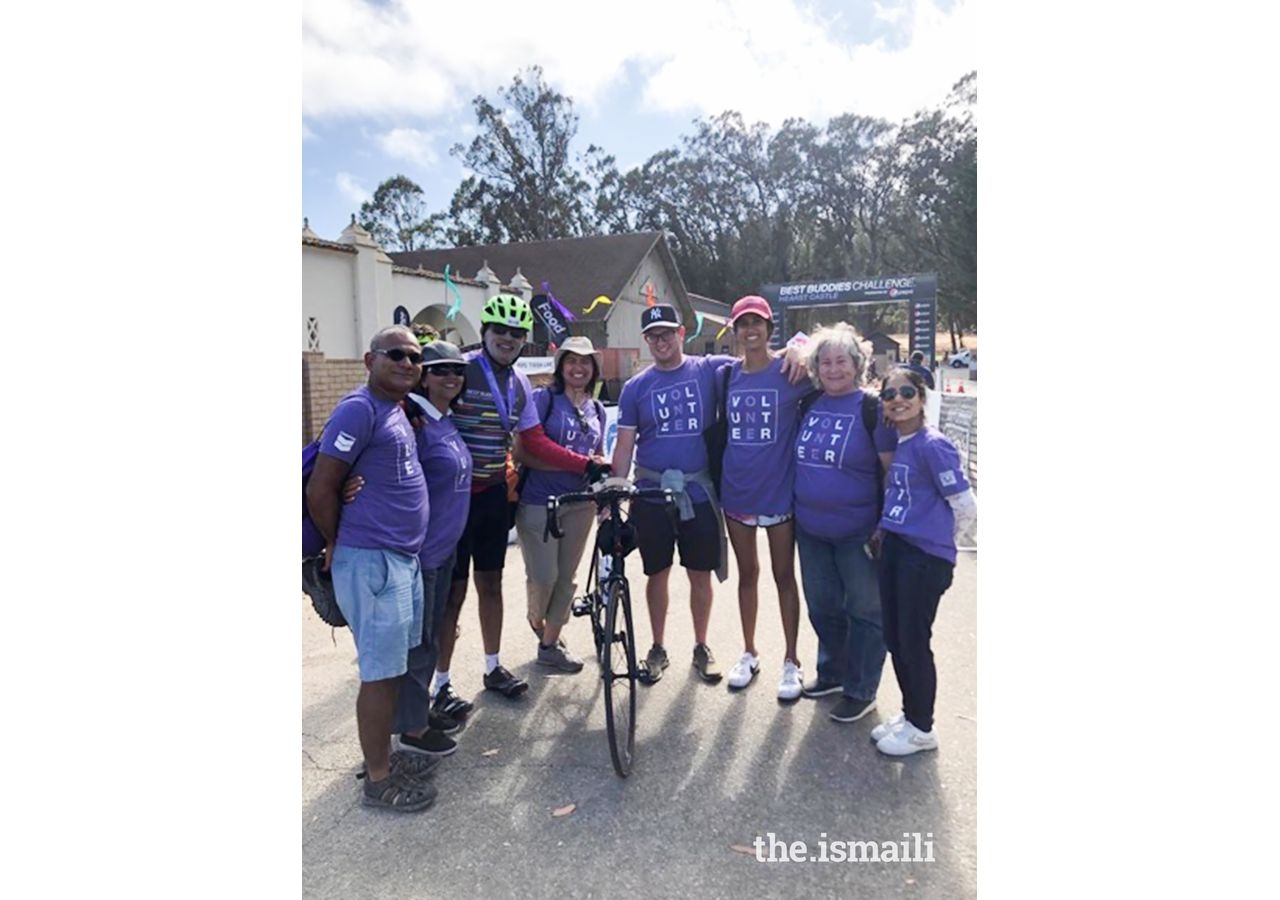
<point x="662" y="413"/>
<point x="371" y="547"/>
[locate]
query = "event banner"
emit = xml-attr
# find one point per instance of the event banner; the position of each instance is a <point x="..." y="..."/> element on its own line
<point x="852" y="290"/>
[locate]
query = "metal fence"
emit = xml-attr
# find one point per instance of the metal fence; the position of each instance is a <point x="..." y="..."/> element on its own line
<point x="959" y="422"/>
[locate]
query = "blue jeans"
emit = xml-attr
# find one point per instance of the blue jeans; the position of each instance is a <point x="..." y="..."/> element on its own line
<point x="415" y="685"/>
<point x="843" y="596"/>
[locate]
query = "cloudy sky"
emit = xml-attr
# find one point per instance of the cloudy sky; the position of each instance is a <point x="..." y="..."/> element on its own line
<point x="387" y="86"/>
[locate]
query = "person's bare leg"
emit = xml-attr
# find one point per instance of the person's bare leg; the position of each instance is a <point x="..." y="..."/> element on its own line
<point x="375" y="713"/>
<point x="782" y="558"/>
<point x="743" y="539"/>
<point x="655" y="592"/>
<point x="449" y="628"/>
<point x="550" y="633"/>
<point x="489" y="589"/>
<point x="700" y="603"/>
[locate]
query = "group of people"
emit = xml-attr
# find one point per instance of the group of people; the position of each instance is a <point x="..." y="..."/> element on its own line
<point x="870" y="495"/>
<point x="410" y="492"/>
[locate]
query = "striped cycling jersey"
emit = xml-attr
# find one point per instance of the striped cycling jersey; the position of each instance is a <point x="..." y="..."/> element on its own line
<point x="477" y="420"/>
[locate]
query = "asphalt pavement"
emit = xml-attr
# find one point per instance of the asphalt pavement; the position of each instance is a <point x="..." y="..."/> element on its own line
<point x="714" y="771"/>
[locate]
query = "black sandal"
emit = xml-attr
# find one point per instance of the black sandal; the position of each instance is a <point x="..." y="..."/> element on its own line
<point x="396" y="792"/>
<point x="413" y="766"/>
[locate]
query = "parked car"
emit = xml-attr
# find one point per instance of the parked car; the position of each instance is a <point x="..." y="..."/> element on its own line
<point x="961" y="360"/>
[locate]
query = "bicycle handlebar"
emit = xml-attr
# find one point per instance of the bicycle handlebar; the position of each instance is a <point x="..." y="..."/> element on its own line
<point x="603" y="496"/>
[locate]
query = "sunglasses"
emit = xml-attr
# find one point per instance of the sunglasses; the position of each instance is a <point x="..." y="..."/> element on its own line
<point x="395" y="354"/>
<point x="659" y="334"/>
<point x="505" y="331"/>
<point x="906" y="392"/>
<point x="446" y="370"/>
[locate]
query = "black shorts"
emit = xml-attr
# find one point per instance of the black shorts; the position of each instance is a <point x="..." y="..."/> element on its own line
<point x="485" y="537"/>
<point x="698" y="538"/>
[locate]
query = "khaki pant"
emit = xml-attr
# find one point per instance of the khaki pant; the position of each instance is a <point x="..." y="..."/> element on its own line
<point x="550" y="567"/>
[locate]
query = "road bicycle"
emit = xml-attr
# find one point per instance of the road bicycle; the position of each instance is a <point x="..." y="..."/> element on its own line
<point x="607" y="601"/>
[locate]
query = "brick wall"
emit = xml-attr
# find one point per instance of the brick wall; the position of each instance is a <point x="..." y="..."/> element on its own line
<point x="324" y="383"/>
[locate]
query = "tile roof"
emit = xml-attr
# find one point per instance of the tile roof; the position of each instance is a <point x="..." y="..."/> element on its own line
<point x="327" y="245"/>
<point x="577" y="269"/>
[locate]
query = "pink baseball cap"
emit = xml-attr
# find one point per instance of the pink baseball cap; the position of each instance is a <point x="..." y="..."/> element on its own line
<point x="751" y="304"/>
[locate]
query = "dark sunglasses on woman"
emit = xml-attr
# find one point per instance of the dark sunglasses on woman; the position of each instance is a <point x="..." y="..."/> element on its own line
<point x="906" y="392"/>
<point x="445" y="371"/>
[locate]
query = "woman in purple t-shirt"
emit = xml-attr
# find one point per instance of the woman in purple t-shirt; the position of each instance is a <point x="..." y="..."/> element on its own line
<point x="841" y="443"/>
<point x="761" y="408"/>
<point x="927" y="505"/>
<point x="572" y="419"/>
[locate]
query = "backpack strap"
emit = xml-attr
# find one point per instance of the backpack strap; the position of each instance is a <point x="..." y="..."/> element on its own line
<point x="870" y="413"/>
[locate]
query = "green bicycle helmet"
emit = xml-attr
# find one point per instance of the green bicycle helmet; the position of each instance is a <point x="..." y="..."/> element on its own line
<point x="509" y="310"/>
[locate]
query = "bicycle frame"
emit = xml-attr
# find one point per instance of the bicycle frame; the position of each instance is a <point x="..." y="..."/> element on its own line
<point x="611" y="626"/>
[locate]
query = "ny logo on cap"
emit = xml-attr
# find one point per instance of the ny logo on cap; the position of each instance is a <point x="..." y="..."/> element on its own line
<point x="654" y="314"/>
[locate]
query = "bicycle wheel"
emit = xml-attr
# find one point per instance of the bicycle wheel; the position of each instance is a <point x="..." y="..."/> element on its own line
<point x="619" y="673"/>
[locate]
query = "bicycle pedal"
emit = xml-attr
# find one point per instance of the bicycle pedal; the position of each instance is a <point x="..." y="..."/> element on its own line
<point x="581" y="606"/>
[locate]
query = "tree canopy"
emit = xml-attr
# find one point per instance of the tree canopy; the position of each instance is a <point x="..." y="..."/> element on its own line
<point x="742" y="204"/>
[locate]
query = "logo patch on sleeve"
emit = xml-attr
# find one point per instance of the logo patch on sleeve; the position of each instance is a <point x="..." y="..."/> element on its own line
<point x="948" y="478"/>
<point x="344" y="442"/>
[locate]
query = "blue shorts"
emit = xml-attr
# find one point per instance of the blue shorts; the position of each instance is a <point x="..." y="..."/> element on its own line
<point x="380" y="594"/>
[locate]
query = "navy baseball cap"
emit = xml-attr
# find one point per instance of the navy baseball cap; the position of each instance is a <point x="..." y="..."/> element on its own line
<point x="660" y="315"/>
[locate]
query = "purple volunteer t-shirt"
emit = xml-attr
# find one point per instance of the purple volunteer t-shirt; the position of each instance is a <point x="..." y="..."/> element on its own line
<point x="391" y="511"/>
<point x="836" y="492"/>
<point x="759" y="456"/>
<point x="581" y="431"/>
<point x="446" y="463"/>
<point x="477" y="419"/>
<point x="926" y="470"/>
<point x="670" y="410"/>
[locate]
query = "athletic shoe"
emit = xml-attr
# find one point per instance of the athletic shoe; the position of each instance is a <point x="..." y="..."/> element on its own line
<point x="432" y="743"/>
<point x="743" y="672"/>
<point x="654" y="664"/>
<point x="557" y="657"/>
<point x="820" y="688"/>
<point x="851" y="710"/>
<point x="905" y="740"/>
<point x="448" y="703"/>
<point x="706" y="664"/>
<point x="789" y="687"/>
<point x="885" y="727"/>
<point x="442" y="723"/>
<point x="505" y="683"/>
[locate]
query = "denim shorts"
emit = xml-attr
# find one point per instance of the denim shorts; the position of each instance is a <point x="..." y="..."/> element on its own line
<point x="751" y="520"/>
<point x="380" y="594"/>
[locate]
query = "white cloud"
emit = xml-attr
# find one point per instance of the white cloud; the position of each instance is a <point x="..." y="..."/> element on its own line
<point x="410" y="145"/>
<point x="349" y="187"/>
<point x="885" y="14"/>
<point x="767" y="60"/>
<point x="308" y="134"/>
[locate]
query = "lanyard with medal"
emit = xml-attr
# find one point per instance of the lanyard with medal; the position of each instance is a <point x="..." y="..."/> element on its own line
<point x="504" y="408"/>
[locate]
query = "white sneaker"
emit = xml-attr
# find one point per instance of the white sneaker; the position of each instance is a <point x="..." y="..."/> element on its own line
<point x="743" y="671"/>
<point x="792" y="682"/>
<point x="885" y="727"/>
<point x="905" y="740"/>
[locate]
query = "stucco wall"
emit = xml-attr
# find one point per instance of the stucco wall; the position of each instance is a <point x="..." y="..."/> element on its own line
<point x="327" y="290"/>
